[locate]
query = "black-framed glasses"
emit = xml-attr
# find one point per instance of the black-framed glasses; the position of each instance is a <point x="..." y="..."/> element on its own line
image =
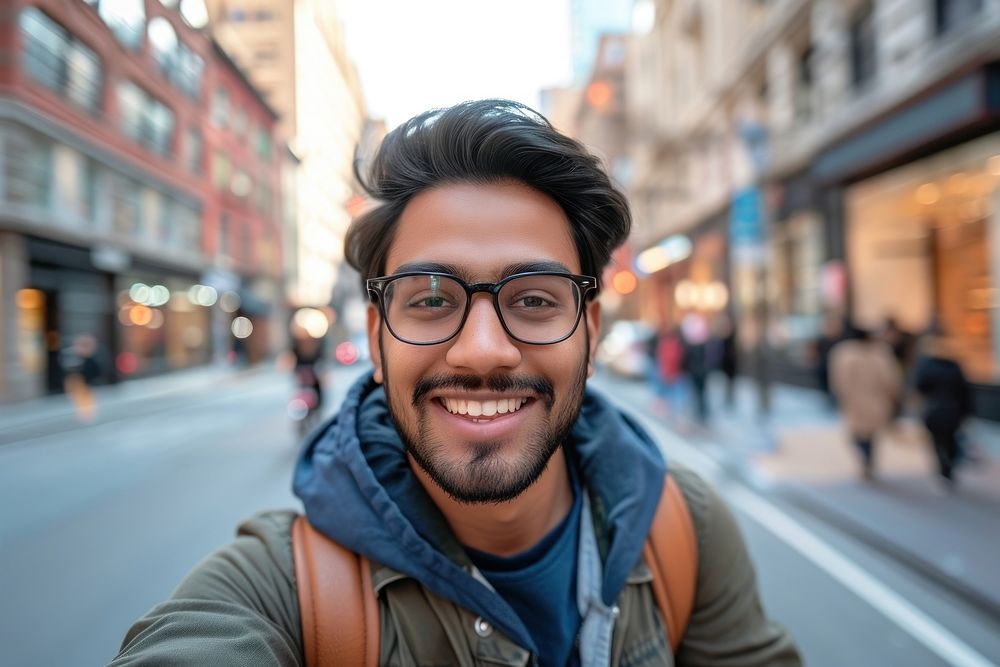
<point x="427" y="308"/>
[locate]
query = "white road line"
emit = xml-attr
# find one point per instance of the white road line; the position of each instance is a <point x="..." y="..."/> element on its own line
<point x="893" y="606"/>
<point x="919" y="625"/>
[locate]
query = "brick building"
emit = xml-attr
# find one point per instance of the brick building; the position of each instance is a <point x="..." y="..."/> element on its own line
<point x="120" y="216"/>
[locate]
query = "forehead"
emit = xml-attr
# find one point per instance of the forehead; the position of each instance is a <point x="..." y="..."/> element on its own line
<point x="481" y="229"/>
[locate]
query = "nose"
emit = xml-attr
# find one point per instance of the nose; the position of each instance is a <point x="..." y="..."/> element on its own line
<point x="483" y="345"/>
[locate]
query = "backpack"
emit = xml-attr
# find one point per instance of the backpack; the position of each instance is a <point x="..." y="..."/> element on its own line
<point x="334" y="585"/>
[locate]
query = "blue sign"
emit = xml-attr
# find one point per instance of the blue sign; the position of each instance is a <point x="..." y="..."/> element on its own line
<point x="746" y="223"/>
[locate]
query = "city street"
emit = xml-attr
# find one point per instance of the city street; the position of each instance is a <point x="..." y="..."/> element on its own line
<point x="100" y="522"/>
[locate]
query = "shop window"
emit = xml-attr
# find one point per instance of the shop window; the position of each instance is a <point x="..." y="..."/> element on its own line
<point x="126" y="19"/>
<point x="27" y="163"/>
<point x="59" y="61"/>
<point x="145" y="119"/>
<point x="864" y="53"/>
<point x="952" y="14"/>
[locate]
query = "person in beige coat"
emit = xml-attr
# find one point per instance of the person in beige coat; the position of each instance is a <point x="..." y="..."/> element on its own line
<point x="867" y="382"/>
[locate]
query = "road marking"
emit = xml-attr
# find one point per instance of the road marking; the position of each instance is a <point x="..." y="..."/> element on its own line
<point x="888" y="602"/>
<point x="919" y="625"/>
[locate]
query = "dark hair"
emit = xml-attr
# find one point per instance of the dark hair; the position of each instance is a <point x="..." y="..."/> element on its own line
<point x="487" y="141"/>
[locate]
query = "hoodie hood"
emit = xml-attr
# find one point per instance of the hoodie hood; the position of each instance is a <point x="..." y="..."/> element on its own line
<point x="357" y="487"/>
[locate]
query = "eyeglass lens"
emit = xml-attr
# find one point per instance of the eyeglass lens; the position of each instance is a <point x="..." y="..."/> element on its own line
<point x="429" y="308"/>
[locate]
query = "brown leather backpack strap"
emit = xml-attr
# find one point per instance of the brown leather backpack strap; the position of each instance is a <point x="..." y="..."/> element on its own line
<point x="671" y="553"/>
<point x="340" y="617"/>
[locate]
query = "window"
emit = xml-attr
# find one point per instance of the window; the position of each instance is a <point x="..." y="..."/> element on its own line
<point x="145" y="119"/>
<point x="125" y="205"/>
<point x="262" y="140"/>
<point x="74" y="184"/>
<point x="59" y="61"/>
<point x="864" y="55"/>
<point x="221" y="171"/>
<point x="187" y="72"/>
<point x="240" y="122"/>
<point x="126" y="19"/>
<point x="950" y="14"/>
<point x="225" y="235"/>
<point x="27" y="164"/>
<point x="265" y="55"/>
<point x="185" y="228"/>
<point x="193" y="150"/>
<point x="220" y="107"/>
<point x="178" y="63"/>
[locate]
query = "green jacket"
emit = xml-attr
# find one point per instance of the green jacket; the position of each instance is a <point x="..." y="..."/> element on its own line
<point x="240" y="607"/>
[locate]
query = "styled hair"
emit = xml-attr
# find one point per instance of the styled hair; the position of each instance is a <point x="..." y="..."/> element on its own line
<point x="487" y="142"/>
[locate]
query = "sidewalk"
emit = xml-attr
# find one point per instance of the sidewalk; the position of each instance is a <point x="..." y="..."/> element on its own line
<point x="802" y="453"/>
<point x="52" y="414"/>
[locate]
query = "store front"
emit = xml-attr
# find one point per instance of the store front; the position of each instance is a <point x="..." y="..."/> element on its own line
<point x="163" y="323"/>
<point x="65" y="296"/>
<point x="922" y="244"/>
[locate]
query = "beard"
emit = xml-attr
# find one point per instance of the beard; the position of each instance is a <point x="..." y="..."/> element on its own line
<point x="486" y="475"/>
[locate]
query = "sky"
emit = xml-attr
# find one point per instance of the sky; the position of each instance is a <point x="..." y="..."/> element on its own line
<point x="414" y="55"/>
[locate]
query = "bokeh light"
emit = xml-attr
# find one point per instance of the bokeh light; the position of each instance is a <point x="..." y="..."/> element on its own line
<point x="242" y="327"/>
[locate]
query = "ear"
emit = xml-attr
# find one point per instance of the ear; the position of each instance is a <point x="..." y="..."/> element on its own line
<point x="593" y="322"/>
<point x="374" y="326"/>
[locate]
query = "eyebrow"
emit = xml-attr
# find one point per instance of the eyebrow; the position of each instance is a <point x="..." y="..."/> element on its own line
<point x="464" y="273"/>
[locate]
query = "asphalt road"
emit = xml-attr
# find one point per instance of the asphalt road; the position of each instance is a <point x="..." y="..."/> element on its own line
<point x="98" y="523"/>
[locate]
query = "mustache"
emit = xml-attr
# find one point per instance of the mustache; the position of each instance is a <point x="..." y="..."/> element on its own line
<point x="498" y="383"/>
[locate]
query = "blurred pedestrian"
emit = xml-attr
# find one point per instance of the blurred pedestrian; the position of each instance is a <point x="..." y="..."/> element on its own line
<point x="669" y="368"/>
<point x="698" y="361"/>
<point x="724" y="334"/>
<point x="902" y="343"/>
<point x="947" y="400"/>
<point x="831" y="333"/>
<point x="81" y="371"/>
<point x="867" y="384"/>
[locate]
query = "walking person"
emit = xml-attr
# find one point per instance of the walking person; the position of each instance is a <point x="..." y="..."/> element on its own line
<point x="487" y="506"/>
<point x="867" y="384"/>
<point x="947" y="401"/>
<point x="668" y="363"/>
<point x="698" y="361"/>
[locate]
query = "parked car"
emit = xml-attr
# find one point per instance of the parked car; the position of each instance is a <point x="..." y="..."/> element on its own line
<point x="625" y="349"/>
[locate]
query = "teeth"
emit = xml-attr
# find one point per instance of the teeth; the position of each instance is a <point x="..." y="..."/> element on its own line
<point x="482" y="408"/>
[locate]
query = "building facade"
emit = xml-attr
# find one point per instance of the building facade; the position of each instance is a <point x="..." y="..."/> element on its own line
<point x="109" y="224"/>
<point x="294" y="51"/>
<point x="843" y="156"/>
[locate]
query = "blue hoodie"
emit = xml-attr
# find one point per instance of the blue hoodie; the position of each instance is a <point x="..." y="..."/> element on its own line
<point x="357" y="487"/>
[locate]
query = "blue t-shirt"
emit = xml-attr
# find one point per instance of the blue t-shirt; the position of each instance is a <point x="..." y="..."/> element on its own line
<point x="540" y="585"/>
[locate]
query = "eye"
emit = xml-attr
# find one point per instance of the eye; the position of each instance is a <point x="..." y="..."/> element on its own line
<point x="533" y="301"/>
<point x="429" y="301"/>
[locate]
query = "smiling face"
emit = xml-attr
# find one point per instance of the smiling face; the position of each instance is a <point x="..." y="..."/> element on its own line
<point x="482" y="413"/>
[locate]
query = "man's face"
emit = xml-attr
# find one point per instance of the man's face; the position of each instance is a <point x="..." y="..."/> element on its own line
<point x="483" y="233"/>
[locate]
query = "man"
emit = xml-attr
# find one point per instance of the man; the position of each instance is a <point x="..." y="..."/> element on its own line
<point x="502" y="505"/>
